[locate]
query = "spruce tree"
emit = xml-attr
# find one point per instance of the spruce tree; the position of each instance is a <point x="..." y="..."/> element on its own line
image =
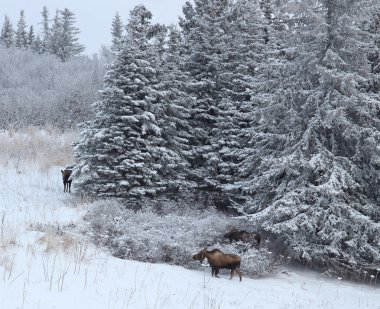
<point x="7" y="33"/>
<point x="174" y="107"/>
<point x="38" y="45"/>
<point x="205" y="29"/>
<point x="313" y="150"/>
<point x="54" y="45"/>
<point x="243" y="55"/>
<point x="45" y="30"/>
<point x="69" y="45"/>
<point x="117" y="33"/>
<point x="21" y="33"/>
<point x="120" y="152"/>
<point x="31" y="37"/>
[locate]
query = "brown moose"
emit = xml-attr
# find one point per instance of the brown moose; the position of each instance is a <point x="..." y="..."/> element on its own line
<point x="217" y="259"/>
<point x="243" y="236"/>
<point x="66" y="177"/>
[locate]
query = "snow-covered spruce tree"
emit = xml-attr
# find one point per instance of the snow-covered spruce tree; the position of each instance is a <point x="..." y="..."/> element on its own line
<point x="55" y="36"/>
<point x="243" y="54"/>
<point x="121" y="152"/>
<point x="205" y="30"/>
<point x="45" y="41"/>
<point x="21" y="33"/>
<point x="117" y="33"/>
<point x="63" y="35"/>
<point x="69" y="45"/>
<point x="31" y="38"/>
<point x="7" y="33"/>
<point x="174" y="110"/>
<point x="373" y="27"/>
<point x="313" y="166"/>
<point x="37" y="45"/>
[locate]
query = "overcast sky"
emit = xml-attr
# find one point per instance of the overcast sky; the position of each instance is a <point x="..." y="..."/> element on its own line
<point x="94" y="17"/>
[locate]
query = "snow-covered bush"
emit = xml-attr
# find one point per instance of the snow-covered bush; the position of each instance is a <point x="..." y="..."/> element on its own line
<point x="40" y="90"/>
<point x="256" y="261"/>
<point x="170" y="232"/>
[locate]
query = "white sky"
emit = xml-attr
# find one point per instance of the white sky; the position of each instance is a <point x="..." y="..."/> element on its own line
<point x="94" y="17"/>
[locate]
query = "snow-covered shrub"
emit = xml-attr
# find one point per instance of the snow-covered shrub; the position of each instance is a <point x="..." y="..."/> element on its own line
<point x="41" y="90"/>
<point x="256" y="261"/>
<point x="169" y="232"/>
<point x="154" y="234"/>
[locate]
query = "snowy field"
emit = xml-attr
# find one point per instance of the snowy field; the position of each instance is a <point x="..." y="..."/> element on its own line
<point x="46" y="263"/>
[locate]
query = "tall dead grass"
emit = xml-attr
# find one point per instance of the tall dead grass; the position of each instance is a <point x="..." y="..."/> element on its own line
<point x="43" y="148"/>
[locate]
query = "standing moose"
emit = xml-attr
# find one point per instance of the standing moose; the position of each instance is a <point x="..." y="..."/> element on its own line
<point x="66" y="177"/>
<point x="217" y="259"/>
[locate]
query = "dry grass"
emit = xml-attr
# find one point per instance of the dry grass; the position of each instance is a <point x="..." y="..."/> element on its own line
<point x="42" y="147"/>
<point x="55" y="243"/>
<point x="8" y="236"/>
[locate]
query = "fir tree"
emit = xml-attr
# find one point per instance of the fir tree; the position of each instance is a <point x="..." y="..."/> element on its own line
<point x="243" y="56"/>
<point x="266" y="9"/>
<point x="205" y="28"/>
<point x="69" y="46"/>
<point x="31" y="37"/>
<point x="314" y="154"/>
<point x="120" y="152"/>
<point x="7" y="33"/>
<point x="117" y="33"/>
<point x="45" y="30"/>
<point x="54" y="43"/>
<point x="21" y="33"/>
<point x="175" y="107"/>
<point x="38" y="45"/>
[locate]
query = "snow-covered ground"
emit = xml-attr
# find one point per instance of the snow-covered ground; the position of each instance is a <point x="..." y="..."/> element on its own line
<point x="46" y="263"/>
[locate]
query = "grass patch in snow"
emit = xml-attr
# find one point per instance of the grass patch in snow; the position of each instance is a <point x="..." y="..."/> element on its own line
<point x="43" y="148"/>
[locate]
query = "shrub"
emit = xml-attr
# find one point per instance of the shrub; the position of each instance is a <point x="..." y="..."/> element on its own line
<point x="169" y="232"/>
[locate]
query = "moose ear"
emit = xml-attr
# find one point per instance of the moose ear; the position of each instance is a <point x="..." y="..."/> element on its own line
<point x="61" y="171"/>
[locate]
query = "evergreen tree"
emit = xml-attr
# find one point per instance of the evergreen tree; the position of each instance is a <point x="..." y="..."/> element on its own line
<point x="243" y="55"/>
<point x="31" y="37"/>
<point x="21" y="33"/>
<point x="314" y="155"/>
<point x="175" y="106"/>
<point x="266" y="9"/>
<point x="372" y="26"/>
<point x="120" y="152"/>
<point x="45" y="30"/>
<point x="158" y="36"/>
<point x="62" y="36"/>
<point x="7" y="33"/>
<point x="54" y="43"/>
<point x="117" y="33"/>
<point x="38" y="45"/>
<point x="205" y="29"/>
<point x="69" y="46"/>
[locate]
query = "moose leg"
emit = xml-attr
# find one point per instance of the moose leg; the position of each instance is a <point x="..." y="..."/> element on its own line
<point x="64" y="187"/>
<point x="217" y="272"/>
<point x="69" y="185"/>
<point x="232" y="273"/>
<point x="239" y="273"/>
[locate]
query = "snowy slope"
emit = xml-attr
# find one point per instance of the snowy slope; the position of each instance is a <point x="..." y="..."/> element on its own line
<point x="44" y="263"/>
